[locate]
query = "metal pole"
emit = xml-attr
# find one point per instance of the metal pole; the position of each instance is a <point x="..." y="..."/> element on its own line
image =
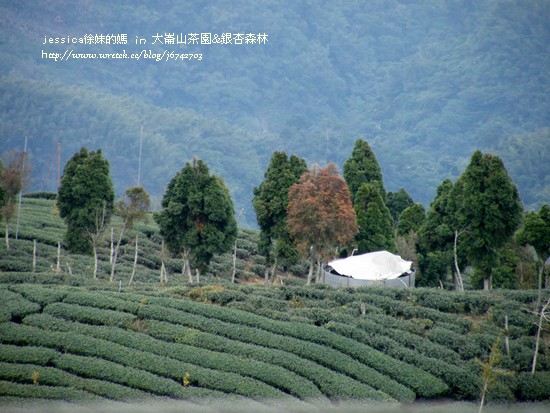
<point x="21" y="191"/>
<point x="58" y="165"/>
<point x="139" y="161"/>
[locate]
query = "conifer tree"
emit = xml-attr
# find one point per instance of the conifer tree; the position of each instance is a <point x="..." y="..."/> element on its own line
<point x="411" y="219"/>
<point x="85" y="199"/>
<point x="270" y="205"/>
<point x="374" y="220"/>
<point x="320" y="216"/>
<point x="397" y="202"/>
<point x="536" y="232"/>
<point x="490" y="210"/>
<point x="362" y="167"/>
<point x="198" y="217"/>
<point x="435" y="238"/>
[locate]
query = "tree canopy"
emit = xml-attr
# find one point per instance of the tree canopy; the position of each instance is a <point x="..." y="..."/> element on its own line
<point x="397" y="202"/>
<point x="374" y="219"/>
<point x="271" y="203"/>
<point x="490" y="210"/>
<point x="320" y="216"/>
<point x="411" y="219"/>
<point x="86" y="196"/>
<point x="362" y="167"/>
<point x="198" y="217"/>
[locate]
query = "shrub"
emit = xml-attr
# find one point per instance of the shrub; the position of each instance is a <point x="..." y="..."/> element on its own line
<point x="30" y="391"/>
<point x="27" y="354"/>
<point x="534" y="387"/>
<point x="270" y="374"/>
<point x="41" y="195"/>
<point x="332" y="384"/>
<point x="51" y="376"/>
<point x="315" y="352"/>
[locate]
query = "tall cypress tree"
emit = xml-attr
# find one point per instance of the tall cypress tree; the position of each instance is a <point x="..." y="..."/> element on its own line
<point x="85" y="196"/>
<point x="397" y="202"/>
<point x="374" y="220"/>
<point x="411" y="219"/>
<point x="536" y="232"/>
<point x="362" y="167"/>
<point x="490" y="210"/>
<point x="271" y="203"/>
<point x="436" y="237"/>
<point x="198" y="217"/>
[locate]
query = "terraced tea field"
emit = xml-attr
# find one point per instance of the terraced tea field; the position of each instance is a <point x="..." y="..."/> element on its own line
<point x="64" y="335"/>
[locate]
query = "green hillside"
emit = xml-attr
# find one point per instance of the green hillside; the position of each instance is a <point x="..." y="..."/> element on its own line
<point x="426" y="83"/>
<point x="66" y="336"/>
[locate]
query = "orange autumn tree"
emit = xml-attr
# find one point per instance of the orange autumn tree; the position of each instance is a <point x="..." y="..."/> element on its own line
<point x="320" y="215"/>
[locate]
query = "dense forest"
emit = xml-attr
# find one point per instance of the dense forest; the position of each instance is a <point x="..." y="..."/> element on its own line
<point x="425" y="83"/>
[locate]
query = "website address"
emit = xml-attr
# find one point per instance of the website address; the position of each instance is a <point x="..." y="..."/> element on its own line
<point x="166" y="55"/>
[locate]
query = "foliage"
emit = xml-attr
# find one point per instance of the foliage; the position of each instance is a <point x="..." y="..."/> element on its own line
<point x="134" y="207"/>
<point x="411" y="219"/>
<point x="489" y="208"/>
<point x="397" y="202"/>
<point x="362" y="167"/>
<point x="271" y="203"/>
<point x="374" y="220"/>
<point x="85" y="198"/>
<point x="320" y="214"/>
<point x="198" y="216"/>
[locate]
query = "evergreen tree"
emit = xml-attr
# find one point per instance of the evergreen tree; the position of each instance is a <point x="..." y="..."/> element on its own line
<point x="374" y="220"/>
<point x="198" y="217"/>
<point x="271" y="203"/>
<point x="362" y="167"/>
<point x="490" y="210"/>
<point x="320" y="216"/>
<point x="536" y="232"/>
<point x="436" y="237"/>
<point x="411" y="219"/>
<point x="397" y="202"/>
<point x="85" y="199"/>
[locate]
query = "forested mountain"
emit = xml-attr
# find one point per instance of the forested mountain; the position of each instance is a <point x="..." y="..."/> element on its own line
<point x="424" y="82"/>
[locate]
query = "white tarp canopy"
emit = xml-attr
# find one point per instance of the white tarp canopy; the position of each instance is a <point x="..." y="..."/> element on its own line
<point x="379" y="265"/>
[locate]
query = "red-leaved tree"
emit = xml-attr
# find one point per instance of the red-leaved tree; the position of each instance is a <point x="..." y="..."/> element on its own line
<point x="320" y="215"/>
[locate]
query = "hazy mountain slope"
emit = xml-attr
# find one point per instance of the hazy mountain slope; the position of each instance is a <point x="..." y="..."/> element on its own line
<point x="425" y="83"/>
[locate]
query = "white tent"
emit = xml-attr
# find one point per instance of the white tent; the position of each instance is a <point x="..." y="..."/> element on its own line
<point x="373" y="268"/>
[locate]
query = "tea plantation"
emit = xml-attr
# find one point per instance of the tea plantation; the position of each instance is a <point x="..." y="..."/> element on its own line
<point x="65" y="335"/>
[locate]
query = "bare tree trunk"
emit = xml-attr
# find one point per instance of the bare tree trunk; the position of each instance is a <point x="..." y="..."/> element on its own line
<point x="266" y="276"/>
<point x="69" y="269"/>
<point x="7" y="236"/>
<point x="58" y="266"/>
<point x="163" y="275"/>
<point x="135" y="263"/>
<point x="506" y="335"/>
<point x="541" y="271"/>
<point x="483" y="392"/>
<point x="112" y="245"/>
<point x="318" y="275"/>
<point x="311" y="264"/>
<point x="234" y="262"/>
<point x="95" y="259"/>
<point x="458" y="277"/>
<point x="274" y="270"/>
<point x="34" y="256"/>
<point x="542" y="316"/>
<point x="197" y="274"/>
<point x="187" y="267"/>
<point x="115" y="255"/>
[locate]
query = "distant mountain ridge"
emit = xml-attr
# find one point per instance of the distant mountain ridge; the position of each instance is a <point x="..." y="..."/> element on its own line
<point x="425" y="83"/>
